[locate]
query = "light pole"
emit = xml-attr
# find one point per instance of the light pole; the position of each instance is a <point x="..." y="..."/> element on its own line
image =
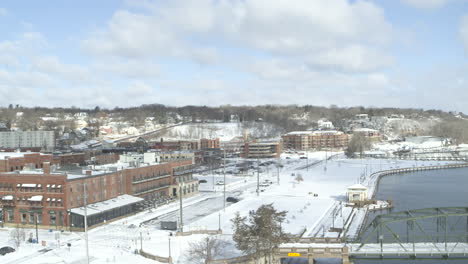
<point x="258" y="177"/>
<point x="86" y="221"/>
<point x="37" y="233"/>
<point x="224" y="180"/>
<point x="181" y="212"/>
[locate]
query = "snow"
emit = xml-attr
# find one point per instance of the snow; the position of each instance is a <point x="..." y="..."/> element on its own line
<point x="7" y="197"/>
<point x="28" y="185"/>
<point x="99" y="207"/>
<point x="308" y="215"/>
<point x="36" y="198"/>
<point x="357" y="187"/>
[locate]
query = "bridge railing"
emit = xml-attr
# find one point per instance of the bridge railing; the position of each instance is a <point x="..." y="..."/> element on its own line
<point x="327" y="240"/>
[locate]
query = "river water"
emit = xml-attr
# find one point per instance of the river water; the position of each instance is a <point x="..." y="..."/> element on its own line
<point x="425" y="189"/>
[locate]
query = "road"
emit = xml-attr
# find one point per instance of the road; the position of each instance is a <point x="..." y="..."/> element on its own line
<point x="194" y="212"/>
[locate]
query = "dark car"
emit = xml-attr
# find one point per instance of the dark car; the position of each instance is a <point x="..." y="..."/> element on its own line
<point x="232" y="200"/>
<point x="6" y="250"/>
<point x="202" y="181"/>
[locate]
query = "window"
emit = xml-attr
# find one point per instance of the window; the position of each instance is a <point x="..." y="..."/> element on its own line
<point x="11" y="216"/>
<point x="23" y="218"/>
<point x="53" y="218"/>
<point x="31" y="218"/>
<point x="39" y="218"/>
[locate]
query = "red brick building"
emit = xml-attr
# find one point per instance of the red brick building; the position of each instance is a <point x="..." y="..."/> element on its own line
<point x="48" y="194"/>
<point x="260" y="150"/>
<point x="305" y="140"/>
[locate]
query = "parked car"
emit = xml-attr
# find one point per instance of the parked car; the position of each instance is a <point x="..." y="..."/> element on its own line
<point x="202" y="181"/>
<point x="232" y="200"/>
<point x="6" y="250"/>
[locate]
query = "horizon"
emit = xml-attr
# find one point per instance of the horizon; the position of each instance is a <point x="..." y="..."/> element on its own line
<point x="382" y="54"/>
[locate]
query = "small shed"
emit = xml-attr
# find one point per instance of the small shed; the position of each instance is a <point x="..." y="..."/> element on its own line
<point x="357" y="193"/>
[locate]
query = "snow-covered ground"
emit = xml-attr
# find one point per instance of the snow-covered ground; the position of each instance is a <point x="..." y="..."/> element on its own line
<point x="310" y="203"/>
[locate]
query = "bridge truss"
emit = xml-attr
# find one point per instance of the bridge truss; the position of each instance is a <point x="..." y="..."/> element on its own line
<point x="441" y="229"/>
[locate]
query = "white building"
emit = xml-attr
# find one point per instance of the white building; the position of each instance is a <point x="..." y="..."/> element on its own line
<point x="357" y="193"/>
<point x="27" y="139"/>
<point x="324" y="124"/>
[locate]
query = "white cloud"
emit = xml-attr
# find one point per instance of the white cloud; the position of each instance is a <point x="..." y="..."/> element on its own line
<point x="3" y="12"/>
<point x="427" y="4"/>
<point x="464" y="32"/>
<point x="193" y="30"/>
<point x="132" y="69"/>
<point x="53" y="66"/>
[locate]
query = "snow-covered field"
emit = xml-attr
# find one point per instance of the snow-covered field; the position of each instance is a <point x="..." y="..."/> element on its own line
<point x="307" y="213"/>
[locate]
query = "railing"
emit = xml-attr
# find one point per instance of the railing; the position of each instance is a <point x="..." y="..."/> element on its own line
<point x="380" y="174"/>
<point x="205" y="232"/>
<point x="152" y="189"/>
<point x="151" y="178"/>
<point x="326" y="240"/>
<point x="154" y="257"/>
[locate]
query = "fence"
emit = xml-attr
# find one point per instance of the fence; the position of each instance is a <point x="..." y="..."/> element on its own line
<point x="154" y="257"/>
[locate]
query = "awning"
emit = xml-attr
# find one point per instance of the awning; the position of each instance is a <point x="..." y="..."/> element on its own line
<point x="7" y="197"/>
<point x="36" y="198"/>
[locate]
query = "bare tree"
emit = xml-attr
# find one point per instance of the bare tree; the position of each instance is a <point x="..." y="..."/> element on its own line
<point x="206" y="250"/>
<point x="17" y="235"/>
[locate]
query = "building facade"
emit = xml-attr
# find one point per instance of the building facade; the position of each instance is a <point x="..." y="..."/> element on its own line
<point x="47" y="194"/>
<point x="27" y="139"/>
<point x="259" y="150"/>
<point x="305" y="140"/>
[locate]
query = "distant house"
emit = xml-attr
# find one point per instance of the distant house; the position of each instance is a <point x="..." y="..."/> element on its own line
<point x="3" y="127"/>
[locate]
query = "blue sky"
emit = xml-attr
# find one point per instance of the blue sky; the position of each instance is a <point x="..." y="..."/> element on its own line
<point x="402" y="53"/>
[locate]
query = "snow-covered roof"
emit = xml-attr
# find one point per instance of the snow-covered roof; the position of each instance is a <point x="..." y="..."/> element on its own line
<point x="327" y="132"/>
<point x="100" y="207"/>
<point x="299" y="133"/>
<point x="357" y="187"/>
<point x="364" y="129"/>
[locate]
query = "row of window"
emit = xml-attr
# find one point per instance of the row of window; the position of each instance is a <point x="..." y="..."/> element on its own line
<point x="33" y="217"/>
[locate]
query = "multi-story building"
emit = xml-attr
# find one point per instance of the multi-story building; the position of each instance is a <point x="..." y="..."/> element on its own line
<point x="27" y="140"/>
<point x="13" y="161"/>
<point x="53" y="196"/>
<point x="304" y="140"/>
<point x="372" y="134"/>
<point x="261" y="150"/>
<point x="209" y="143"/>
<point x="185" y="144"/>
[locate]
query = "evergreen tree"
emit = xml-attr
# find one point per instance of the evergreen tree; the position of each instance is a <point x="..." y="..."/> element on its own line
<point x="260" y="232"/>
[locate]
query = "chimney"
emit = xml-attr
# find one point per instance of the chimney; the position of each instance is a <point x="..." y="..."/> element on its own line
<point x="46" y="167"/>
<point x="88" y="173"/>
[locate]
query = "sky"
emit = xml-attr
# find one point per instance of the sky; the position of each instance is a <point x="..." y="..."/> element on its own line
<point x="107" y="53"/>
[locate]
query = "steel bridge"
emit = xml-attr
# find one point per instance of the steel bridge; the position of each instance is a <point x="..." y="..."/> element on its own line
<point x="435" y="231"/>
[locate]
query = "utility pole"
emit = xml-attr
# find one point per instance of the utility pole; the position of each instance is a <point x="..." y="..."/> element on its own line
<point x="278" y="175"/>
<point x="141" y="241"/>
<point x="219" y="221"/>
<point x="170" y="249"/>
<point x="258" y="178"/>
<point x="181" y="213"/>
<point x="224" y="179"/>
<point x="37" y="233"/>
<point x="86" y="221"/>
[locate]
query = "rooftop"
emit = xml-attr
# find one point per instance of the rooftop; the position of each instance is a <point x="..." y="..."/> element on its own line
<point x="16" y="154"/>
<point x="107" y="205"/>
